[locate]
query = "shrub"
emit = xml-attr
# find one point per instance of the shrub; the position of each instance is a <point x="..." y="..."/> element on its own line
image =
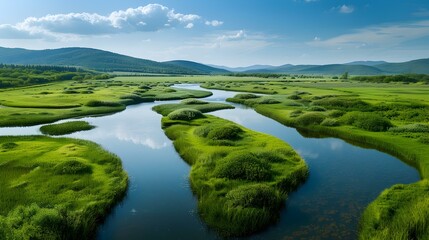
<point x="193" y="101"/>
<point x="246" y="96"/>
<point x="72" y="167"/>
<point x="295" y="113"/>
<point x="415" y="127"/>
<point x="294" y="97"/>
<point x="342" y="103"/>
<point x="336" y="113"/>
<point x="97" y="103"/>
<point x="9" y="145"/>
<point x="316" y="109"/>
<point x="268" y="101"/>
<point x="226" y="132"/>
<point x="330" y="122"/>
<point x="254" y="196"/>
<point x="310" y="119"/>
<point x="244" y="167"/>
<point x="185" y="114"/>
<point x="367" y="121"/>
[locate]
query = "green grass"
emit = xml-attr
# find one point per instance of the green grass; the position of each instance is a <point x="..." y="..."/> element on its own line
<point x="389" y="117"/>
<point x="66" y="128"/>
<point x="241" y="177"/>
<point x="56" y="188"/>
<point x="202" y="106"/>
<point x="48" y="103"/>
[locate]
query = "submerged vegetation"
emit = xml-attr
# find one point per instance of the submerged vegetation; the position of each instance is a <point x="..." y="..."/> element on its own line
<point x="56" y="188"/>
<point x="241" y="177"/>
<point x="66" y="128"/>
<point x="390" y="117"/>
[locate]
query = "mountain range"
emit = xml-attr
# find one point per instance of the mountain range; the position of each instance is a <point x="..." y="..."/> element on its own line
<point x="105" y="61"/>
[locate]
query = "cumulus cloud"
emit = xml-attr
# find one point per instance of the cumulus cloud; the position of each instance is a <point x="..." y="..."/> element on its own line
<point x="345" y="9"/>
<point x="149" y="18"/>
<point x="214" y="23"/>
<point x="382" y="35"/>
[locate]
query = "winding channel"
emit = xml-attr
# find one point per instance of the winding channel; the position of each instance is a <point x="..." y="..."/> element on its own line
<point x="343" y="179"/>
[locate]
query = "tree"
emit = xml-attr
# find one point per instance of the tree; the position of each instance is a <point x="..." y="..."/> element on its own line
<point x="345" y="75"/>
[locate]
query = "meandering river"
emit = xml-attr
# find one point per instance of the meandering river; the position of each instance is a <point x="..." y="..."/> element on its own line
<point x="343" y="179"/>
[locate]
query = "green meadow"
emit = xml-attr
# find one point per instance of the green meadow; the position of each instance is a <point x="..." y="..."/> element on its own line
<point x="239" y="191"/>
<point x="391" y="117"/>
<point x="240" y="177"/>
<point x="47" y="103"/>
<point x="56" y="188"/>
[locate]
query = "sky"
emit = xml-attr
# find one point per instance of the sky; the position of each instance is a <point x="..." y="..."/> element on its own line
<point x="225" y="32"/>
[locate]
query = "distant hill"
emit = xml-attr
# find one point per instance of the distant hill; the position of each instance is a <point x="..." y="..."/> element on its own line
<point x="205" y="69"/>
<point x="91" y="59"/>
<point x="366" y="63"/>
<point x="243" y="69"/>
<point x="105" y="61"/>
<point x="420" y="66"/>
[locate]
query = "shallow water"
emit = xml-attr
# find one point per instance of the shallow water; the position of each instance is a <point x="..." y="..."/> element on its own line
<point x="160" y="205"/>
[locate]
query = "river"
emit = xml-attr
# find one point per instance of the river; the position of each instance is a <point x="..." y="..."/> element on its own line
<point x="343" y="179"/>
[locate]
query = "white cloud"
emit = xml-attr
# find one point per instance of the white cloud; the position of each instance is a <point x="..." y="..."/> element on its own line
<point x="345" y="9"/>
<point x="149" y="18"/>
<point x="214" y="23"/>
<point x="383" y="35"/>
<point x="189" y="25"/>
<point x="233" y="36"/>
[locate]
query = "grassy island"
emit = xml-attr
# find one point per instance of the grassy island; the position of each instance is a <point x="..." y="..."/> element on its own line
<point x="56" y="188"/>
<point x="66" y="128"/>
<point x="240" y="177"/>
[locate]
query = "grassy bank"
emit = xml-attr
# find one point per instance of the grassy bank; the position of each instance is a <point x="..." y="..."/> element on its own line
<point x="66" y="128"/>
<point x="240" y="177"/>
<point x="390" y="117"/>
<point x="61" y="100"/>
<point x="56" y="188"/>
<point x="202" y="106"/>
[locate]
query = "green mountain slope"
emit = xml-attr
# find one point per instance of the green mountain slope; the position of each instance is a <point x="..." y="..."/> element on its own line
<point x="89" y="58"/>
<point x="420" y="66"/>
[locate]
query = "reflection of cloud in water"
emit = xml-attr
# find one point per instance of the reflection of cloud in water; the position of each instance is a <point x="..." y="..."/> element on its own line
<point x="140" y="139"/>
<point x="307" y="154"/>
<point x="336" y="145"/>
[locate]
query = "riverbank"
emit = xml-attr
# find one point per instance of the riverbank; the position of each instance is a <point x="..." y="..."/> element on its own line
<point x="56" y="188"/>
<point x="343" y="114"/>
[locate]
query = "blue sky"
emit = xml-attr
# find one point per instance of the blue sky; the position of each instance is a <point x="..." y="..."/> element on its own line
<point x="232" y="33"/>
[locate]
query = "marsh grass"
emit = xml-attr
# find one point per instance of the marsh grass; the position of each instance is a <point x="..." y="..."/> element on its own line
<point x="241" y="177"/>
<point x="364" y="116"/>
<point x="66" y="128"/>
<point x="56" y="188"/>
